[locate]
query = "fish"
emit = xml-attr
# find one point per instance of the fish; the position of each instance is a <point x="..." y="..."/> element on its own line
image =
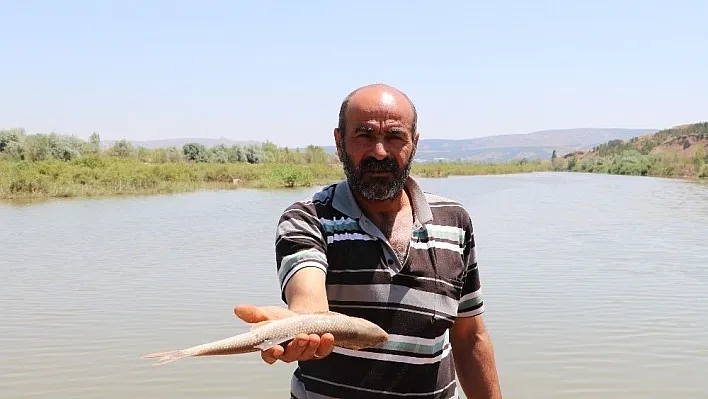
<point x="349" y="332"/>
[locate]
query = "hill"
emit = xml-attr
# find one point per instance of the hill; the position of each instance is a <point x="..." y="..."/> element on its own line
<point x="680" y="151"/>
<point x="501" y="148"/>
<point x="507" y="147"/>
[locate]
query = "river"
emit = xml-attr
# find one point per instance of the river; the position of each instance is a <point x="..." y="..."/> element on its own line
<point x="596" y="286"/>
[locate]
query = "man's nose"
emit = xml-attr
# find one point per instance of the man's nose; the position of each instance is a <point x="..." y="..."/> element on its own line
<point x="380" y="151"/>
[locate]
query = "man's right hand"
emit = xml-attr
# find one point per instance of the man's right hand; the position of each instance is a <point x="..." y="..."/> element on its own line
<point x="302" y="347"/>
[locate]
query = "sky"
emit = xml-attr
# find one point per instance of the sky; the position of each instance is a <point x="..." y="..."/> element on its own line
<point x="278" y="70"/>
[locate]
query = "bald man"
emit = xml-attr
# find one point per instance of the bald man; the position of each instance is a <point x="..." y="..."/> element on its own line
<point x="376" y="246"/>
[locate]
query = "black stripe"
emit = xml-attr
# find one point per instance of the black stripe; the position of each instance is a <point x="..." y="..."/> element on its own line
<point x="391" y="306"/>
<point x="376" y="375"/>
<point x="397" y="322"/>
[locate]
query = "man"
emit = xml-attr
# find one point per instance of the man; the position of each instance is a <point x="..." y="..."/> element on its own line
<point x="377" y="247"/>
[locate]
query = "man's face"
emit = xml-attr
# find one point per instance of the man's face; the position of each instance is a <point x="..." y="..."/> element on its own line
<point x="378" y="147"/>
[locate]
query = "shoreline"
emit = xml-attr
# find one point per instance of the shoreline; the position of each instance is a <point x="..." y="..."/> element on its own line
<point x="106" y="177"/>
<point x="31" y="182"/>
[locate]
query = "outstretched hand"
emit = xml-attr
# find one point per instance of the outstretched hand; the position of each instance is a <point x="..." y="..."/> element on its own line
<point x="302" y="347"/>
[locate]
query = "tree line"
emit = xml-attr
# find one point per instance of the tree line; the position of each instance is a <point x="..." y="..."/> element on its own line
<point x="17" y="145"/>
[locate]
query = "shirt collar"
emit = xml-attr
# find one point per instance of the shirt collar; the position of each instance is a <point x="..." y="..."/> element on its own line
<point x="344" y="202"/>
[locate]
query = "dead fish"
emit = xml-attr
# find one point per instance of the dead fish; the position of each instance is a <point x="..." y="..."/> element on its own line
<point x="349" y="332"/>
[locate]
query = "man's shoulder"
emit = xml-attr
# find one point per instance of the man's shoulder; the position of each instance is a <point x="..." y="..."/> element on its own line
<point x="447" y="209"/>
<point x="315" y="203"/>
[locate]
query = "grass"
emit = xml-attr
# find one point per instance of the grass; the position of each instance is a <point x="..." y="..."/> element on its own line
<point x="91" y="176"/>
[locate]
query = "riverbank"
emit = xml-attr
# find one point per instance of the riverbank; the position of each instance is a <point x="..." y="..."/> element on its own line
<point x="93" y="176"/>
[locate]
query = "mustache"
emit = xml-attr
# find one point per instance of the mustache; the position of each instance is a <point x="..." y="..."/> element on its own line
<point x="374" y="165"/>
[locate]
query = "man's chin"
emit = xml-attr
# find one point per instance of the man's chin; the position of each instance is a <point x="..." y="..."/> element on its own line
<point x="378" y="189"/>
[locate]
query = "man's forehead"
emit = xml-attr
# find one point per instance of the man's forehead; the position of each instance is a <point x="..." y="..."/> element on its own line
<point x="381" y="105"/>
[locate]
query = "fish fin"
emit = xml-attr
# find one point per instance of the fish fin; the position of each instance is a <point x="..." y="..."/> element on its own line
<point x="166" y="357"/>
<point x="259" y="324"/>
<point x="265" y="345"/>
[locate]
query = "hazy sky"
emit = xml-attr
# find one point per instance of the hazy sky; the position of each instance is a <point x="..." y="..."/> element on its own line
<point x="279" y="70"/>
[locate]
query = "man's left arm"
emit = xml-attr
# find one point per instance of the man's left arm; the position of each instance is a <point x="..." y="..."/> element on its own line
<point x="471" y="345"/>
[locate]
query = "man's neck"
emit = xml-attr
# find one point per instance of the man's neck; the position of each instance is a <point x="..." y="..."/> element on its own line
<point x="384" y="213"/>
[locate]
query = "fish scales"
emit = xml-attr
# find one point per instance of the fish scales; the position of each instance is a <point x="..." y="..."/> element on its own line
<point x="349" y="332"/>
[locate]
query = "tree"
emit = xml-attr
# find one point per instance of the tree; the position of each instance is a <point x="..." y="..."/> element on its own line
<point x="195" y="152"/>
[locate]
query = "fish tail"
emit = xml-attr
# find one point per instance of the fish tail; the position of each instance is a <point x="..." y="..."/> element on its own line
<point x="166" y="357"/>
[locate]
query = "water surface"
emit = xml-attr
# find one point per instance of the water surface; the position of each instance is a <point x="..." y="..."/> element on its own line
<point x="596" y="286"/>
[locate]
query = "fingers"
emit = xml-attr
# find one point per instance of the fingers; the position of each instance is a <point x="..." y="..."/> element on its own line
<point x="309" y="349"/>
<point x="303" y="347"/>
<point x="271" y="355"/>
<point x="250" y="313"/>
<point x="325" y="347"/>
<point x="254" y="314"/>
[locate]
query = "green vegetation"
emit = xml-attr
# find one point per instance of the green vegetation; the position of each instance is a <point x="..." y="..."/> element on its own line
<point x="445" y="169"/>
<point x="53" y="165"/>
<point x="676" y="152"/>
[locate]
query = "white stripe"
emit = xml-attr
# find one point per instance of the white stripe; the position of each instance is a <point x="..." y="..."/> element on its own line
<point x="472" y="313"/>
<point x="451" y="383"/>
<point x="436" y="244"/>
<point x="349" y="237"/>
<point x="387" y="357"/>
<point x="387" y="271"/>
<point x="444" y="205"/>
<point x="471" y="295"/>
<point x="418" y="340"/>
<point x="338" y="221"/>
<point x="301" y="266"/>
<point x="449" y="229"/>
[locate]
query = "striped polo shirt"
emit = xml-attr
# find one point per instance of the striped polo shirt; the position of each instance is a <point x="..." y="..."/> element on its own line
<point x="415" y="302"/>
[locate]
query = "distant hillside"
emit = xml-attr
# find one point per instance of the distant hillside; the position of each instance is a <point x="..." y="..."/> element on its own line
<point x="500" y="148"/>
<point x="677" y="151"/>
<point x="179" y="142"/>
<point x="508" y="147"/>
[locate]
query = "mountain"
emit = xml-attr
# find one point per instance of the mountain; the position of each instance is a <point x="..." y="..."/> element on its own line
<point x="499" y="148"/>
<point x="682" y="141"/>
<point x="679" y="151"/>
<point x="508" y="147"/>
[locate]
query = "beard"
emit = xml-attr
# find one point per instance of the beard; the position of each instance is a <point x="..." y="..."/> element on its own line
<point x="376" y="188"/>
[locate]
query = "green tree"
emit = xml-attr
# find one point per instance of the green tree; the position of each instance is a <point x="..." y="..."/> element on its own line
<point x="195" y="152"/>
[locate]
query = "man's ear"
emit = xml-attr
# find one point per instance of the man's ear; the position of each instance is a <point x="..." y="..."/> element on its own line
<point x="337" y="142"/>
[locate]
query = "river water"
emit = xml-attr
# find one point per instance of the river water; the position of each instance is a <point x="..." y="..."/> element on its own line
<point x="596" y="286"/>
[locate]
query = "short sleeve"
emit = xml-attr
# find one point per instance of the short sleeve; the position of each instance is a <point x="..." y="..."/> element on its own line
<point x="471" y="301"/>
<point x="299" y="243"/>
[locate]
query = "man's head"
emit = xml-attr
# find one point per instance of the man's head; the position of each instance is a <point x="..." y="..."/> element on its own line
<point x="376" y="140"/>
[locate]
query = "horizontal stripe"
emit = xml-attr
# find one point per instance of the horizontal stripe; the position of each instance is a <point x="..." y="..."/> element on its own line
<point x="290" y="225"/>
<point x="389" y="357"/>
<point x="472" y="312"/>
<point x="290" y="261"/>
<point x="471" y="300"/>
<point x="452" y="233"/>
<point x="361" y="389"/>
<point x="436" y="244"/>
<point x="397" y="308"/>
<point x="349" y="237"/>
<point x="299" y="267"/>
<point x="414" y="345"/>
<point x="342" y="224"/>
<point x="390" y="294"/>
